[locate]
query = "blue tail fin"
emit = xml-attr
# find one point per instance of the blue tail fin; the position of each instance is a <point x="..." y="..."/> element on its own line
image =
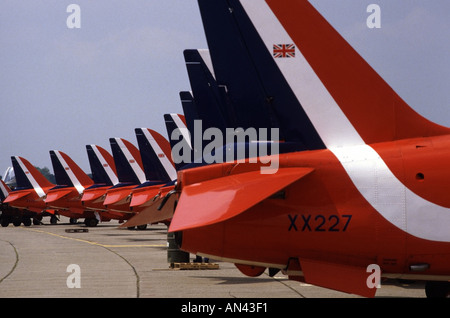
<point x="156" y="156"/>
<point x="28" y="177"/>
<point x="102" y="166"/>
<point x="254" y="83"/>
<point x="67" y="172"/>
<point x="210" y="104"/>
<point x="128" y="162"/>
<point x="176" y="126"/>
<point x="4" y="191"/>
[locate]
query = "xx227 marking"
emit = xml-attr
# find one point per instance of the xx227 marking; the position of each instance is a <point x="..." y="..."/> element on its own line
<point x="319" y="222"/>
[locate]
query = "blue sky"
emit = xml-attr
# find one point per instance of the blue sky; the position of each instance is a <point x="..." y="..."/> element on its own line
<point x="64" y="88"/>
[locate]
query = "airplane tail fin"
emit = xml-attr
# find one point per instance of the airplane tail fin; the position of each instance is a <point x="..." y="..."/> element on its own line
<point x="210" y="103"/>
<point x="128" y="161"/>
<point x="102" y="165"/>
<point x="179" y="134"/>
<point x="4" y="190"/>
<point x="28" y="177"/>
<point x="156" y="155"/>
<point x="335" y="96"/>
<point x="67" y="172"/>
<point x="189" y="110"/>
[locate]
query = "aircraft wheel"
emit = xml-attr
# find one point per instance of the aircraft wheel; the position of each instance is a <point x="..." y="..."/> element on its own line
<point x="5" y="222"/>
<point x="26" y="221"/>
<point x="73" y="221"/>
<point x="434" y="289"/>
<point x="142" y="227"/>
<point x="17" y="221"/>
<point x="91" y="222"/>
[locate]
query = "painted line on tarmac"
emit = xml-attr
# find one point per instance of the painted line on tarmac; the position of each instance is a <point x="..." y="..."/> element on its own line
<point x="107" y="247"/>
<point x="95" y="243"/>
<point x="15" y="263"/>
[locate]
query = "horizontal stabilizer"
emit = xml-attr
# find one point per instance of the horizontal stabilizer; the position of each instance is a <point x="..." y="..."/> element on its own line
<point x="116" y="197"/>
<point x="219" y="199"/>
<point x="349" y="279"/>
<point x="144" y="196"/>
<point x="90" y="195"/>
<point x="151" y="214"/>
<point x="56" y="195"/>
<point x="16" y="195"/>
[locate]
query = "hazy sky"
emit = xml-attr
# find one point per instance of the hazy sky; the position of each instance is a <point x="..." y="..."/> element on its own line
<point x="64" y="88"/>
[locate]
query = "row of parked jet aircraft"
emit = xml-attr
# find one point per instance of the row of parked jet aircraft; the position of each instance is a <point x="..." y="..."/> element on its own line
<point x="361" y="179"/>
<point x="116" y="190"/>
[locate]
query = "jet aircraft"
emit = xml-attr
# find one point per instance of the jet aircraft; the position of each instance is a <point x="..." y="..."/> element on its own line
<point x="144" y="182"/>
<point x="160" y="172"/>
<point x="104" y="176"/>
<point x="369" y="186"/>
<point x="130" y="173"/>
<point x="71" y="181"/>
<point x="30" y="191"/>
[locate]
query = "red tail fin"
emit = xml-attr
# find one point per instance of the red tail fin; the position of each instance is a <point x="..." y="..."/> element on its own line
<point x="67" y="172"/>
<point x="27" y="176"/>
<point x="338" y="89"/>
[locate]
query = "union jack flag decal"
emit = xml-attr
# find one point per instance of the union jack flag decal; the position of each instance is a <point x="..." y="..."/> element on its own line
<point x="283" y="50"/>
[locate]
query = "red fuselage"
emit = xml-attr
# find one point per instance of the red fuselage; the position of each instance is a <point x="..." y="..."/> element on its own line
<point x="324" y="216"/>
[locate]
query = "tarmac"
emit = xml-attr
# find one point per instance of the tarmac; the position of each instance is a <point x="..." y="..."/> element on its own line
<point x="74" y="261"/>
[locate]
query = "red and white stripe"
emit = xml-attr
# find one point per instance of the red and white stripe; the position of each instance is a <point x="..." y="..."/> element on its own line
<point x="350" y="111"/>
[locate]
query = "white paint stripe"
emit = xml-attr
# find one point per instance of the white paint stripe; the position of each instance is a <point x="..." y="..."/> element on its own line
<point x="31" y="178"/>
<point x="132" y="161"/>
<point x="3" y="188"/>
<point x="390" y="197"/>
<point x="109" y="171"/>
<point x="168" y="166"/>
<point x="69" y="172"/>
<point x="367" y="170"/>
<point x="328" y="119"/>
<point x="182" y="128"/>
<point x="204" y="54"/>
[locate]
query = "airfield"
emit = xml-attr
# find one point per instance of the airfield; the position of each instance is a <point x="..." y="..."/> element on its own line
<point x="117" y="262"/>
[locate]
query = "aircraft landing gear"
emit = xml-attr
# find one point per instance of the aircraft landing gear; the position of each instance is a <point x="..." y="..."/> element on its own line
<point x="90" y="222"/>
<point x="437" y="289"/>
<point x="26" y="221"/>
<point x="5" y="220"/>
<point x="53" y="219"/>
<point x="15" y="220"/>
<point x="139" y="227"/>
<point x="37" y="220"/>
